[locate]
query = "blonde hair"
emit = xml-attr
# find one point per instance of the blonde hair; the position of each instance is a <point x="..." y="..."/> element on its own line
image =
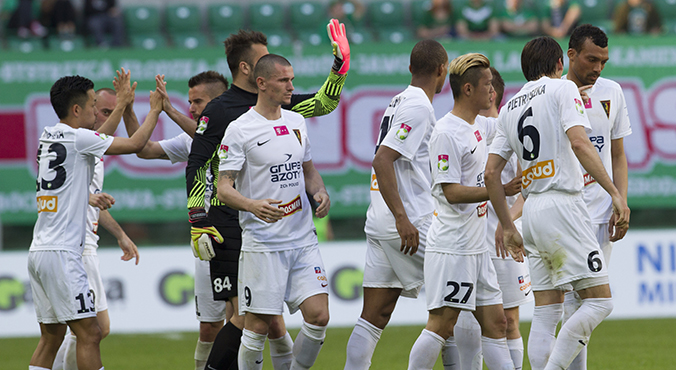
<point x="466" y="69"/>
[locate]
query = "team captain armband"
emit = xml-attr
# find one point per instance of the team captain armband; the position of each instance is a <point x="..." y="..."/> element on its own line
<point x="325" y="100"/>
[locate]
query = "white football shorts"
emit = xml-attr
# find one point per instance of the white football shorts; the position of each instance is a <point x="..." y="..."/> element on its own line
<point x="460" y="281"/>
<point x="268" y="279"/>
<point x="603" y="237"/>
<point x="91" y="265"/>
<point x="513" y="277"/>
<point x="561" y="245"/>
<point x="206" y="308"/>
<point x="388" y="267"/>
<point x="59" y="286"/>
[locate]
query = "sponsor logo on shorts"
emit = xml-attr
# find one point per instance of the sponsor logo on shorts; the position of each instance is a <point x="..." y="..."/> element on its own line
<point x="481" y="209"/>
<point x="521" y="279"/>
<point x="402" y="132"/>
<point x="540" y="170"/>
<point x="442" y="162"/>
<point x="223" y="152"/>
<point x="588" y="179"/>
<point x="318" y="270"/>
<point x="48" y="203"/>
<point x="374" y="183"/>
<point x="578" y="106"/>
<point x="477" y="135"/>
<point x="202" y="125"/>
<point x="281" y="130"/>
<point x="292" y="207"/>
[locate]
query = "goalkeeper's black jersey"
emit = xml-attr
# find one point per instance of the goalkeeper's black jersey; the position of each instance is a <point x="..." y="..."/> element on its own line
<point x="217" y="116"/>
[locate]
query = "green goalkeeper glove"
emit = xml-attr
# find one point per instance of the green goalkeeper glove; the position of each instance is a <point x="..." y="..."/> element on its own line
<point x="341" y="48"/>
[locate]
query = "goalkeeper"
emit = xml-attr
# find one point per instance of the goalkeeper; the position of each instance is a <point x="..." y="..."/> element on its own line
<point x="215" y="232"/>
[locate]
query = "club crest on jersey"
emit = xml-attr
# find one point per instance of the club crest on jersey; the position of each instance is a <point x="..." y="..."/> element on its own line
<point x="578" y="106"/>
<point x="442" y="163"/>
<point x="48" y="203"/>
<point x="402" y="132"/>
<point x="202" y="125"/>
<point x="297" y="132"/>
<point x="223" y="152"/>
<point x="281" y="130"/>
<point x="477" y="135"/>
<point x="102" y="136"/>
<point x="482" y="209"/>
<point x="292" y="207"/>
<point x="606" y="107"/>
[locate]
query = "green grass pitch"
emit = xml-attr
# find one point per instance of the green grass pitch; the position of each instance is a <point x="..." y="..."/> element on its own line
<point x="616" y="345"/>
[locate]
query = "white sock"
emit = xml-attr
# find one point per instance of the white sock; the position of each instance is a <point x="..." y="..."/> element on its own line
<point x="467" y="333"/>
<point x="70" y="356"/>
<point x="450" y="357"/>
<point x="516" y="352"/>
<point x="361" y="345"/>
<point x="574" y="334"/>
<point x="543" y="334"/>
<point x="425" y="351"/>
<point x="202" y="351"/>
<point x="60" y="354"/>
<point x="307" y="346"/>
<point x="571" y="303"/>
<point x="31" y="367"/>
<point x="496" y="353"/>
<point x="250" y="354"/>
<point x="281" y="352"/>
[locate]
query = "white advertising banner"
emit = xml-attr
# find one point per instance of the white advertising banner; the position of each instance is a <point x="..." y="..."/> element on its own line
<point x="157" y="295"/>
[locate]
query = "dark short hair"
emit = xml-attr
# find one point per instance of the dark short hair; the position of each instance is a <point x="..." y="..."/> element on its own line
<point x="108" y="90"/>
<point x="466" y="69"/>
<point x="238" y="48"/>
<point x="266" y="64"/>
<point x="427" y="56"/>
<point x="216" y="83"/>
<point x="68" y="91"/>
<point x="587" y="31"/>
<point x="498" y="85"/>
<point x="539" y="57"/>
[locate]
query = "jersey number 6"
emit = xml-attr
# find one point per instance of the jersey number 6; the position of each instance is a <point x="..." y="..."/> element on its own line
<point x="532" y="133"/>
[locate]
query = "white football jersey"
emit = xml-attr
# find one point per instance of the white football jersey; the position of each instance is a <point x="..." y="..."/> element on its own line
<point x="406" y="128"/>
<point x="533" y="125"/>
<point x="66" y="158"/>
<point x="177" y="148"/>
<point x="269" y="156"/>
<point x="609" y="119"/>
<point x="95" y="187"/>
<point x="458" y="152"/>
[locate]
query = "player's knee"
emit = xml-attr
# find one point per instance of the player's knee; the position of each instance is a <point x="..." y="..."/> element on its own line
<point x="318" y="318"/>
<point x="209" y="330"/>
<point x="497" y="327"/>
<point x="105" y="330"/>
<point x="512" y="323"/>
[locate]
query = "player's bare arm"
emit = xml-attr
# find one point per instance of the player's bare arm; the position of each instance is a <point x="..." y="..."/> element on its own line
<point x="152" y="149"/>
<point x="620" y="180"/>
<point x="314" y="185"/>
<point x="187" y="124"/>
<point x="383" y="165"/>
<point x="129" y="249"/>
<point x="125" y="93"/>
<point x="496" y="191"/>
<point x="587" y="155"/>
<point x="136" y="142"/>
<point x="102" y="201"/>
<point x="457" y="193"/>
<point x="264" y="209"/>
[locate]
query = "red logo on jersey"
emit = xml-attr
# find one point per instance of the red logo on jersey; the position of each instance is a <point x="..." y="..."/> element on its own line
<point x="481" y="209"/>
<point x="281" y="130"/>
<point x="292" y="207"/>
<point x="477" y="134"/>
<point x="588" y="179"/>
<point x="48" y="203"/>
<point x="587" y="104"/>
